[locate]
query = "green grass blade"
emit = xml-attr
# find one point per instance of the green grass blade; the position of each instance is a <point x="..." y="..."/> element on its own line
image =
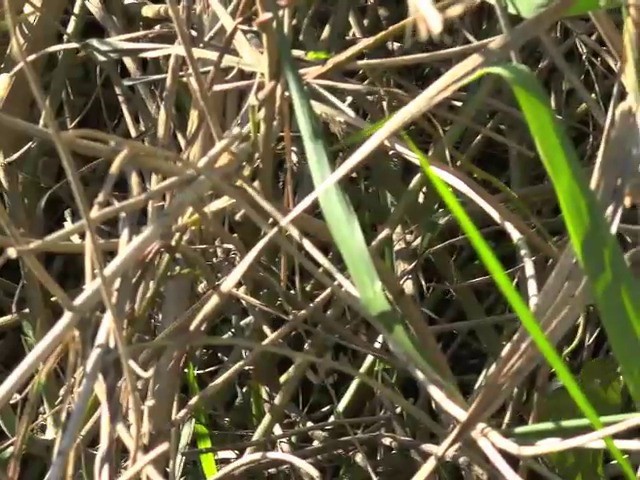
<point x="502" y="280"/>
<point x="564" y="427"/>
<point x="530" y="8"/>
<point x="202" y="435"/>
<point x="257" y="402"/>
<point x="345" y="229"/>
<point x="597" y="250"/>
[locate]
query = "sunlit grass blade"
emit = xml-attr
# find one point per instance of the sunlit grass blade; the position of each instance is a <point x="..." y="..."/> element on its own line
<point x="502" y="280"/>
<point x="565" y="427"/>
<point x="202" y="435"/>
<point x="597" y="250"/>
<point x="530" y="8"/>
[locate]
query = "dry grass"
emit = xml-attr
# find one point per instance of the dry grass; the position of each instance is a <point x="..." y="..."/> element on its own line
<point x="149" y="152"/>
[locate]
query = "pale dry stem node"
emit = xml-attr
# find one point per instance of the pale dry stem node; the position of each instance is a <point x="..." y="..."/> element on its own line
<point x="428" y="19"/>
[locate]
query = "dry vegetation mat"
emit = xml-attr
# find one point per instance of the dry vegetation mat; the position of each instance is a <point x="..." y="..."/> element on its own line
<point x="319" y="239"/>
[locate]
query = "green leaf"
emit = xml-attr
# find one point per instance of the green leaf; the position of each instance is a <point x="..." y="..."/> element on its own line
<point x="257" y="403"/>
<point x="530" y="8"/>
<point x="347" y="233"/>
<point x="315" y="55"/>
<point x="596" y="249"/>
<point x="502" y="280"/>
<point x="202" y="435"/>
